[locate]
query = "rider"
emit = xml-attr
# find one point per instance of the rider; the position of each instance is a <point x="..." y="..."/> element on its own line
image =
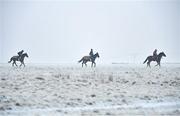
<point x="155" y="53"/>
<point x="91" y="53"/>
<point x="20" y="53"/>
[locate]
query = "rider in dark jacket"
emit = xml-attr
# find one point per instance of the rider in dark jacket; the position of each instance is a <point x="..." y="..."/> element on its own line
<point x="91" y="53"/>
<point x="155" y="53"/>
<point x="20" y="53"/>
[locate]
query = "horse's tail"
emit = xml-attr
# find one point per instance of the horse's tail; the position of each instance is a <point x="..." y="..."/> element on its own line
<point x="145" y="60"/>
<point x="80" y="60"/>
<point x="10" y="60"/>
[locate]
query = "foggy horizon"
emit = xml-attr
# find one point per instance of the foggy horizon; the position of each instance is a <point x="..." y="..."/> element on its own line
<point x="65" y="31"/>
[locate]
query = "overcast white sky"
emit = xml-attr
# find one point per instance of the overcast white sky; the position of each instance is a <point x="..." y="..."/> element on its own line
<point x="56" y="31"/>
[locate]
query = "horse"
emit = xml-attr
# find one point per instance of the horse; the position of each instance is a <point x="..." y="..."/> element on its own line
<point x="18" y="58"/>
<point x="157" y="59"/>
<point x="92" y="59"/>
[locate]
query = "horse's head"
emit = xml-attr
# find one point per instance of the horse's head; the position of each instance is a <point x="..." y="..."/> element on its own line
<point x="97" y="55"/>
<point x="25" y="55"/>
<point x="162" y="54"/>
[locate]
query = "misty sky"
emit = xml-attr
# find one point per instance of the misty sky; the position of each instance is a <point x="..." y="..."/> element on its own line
<point x="57" y="31"/>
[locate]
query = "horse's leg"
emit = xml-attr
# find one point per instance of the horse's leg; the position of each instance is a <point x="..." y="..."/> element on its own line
<point x="92" y="64"/>
<point x="82" y="63"/>
<point x="23" y="63"/>
<point x="159" y="64"/>
<point x="20" y="64"/>
<point x="148" y="64"/>
<point x="85" y="63"/>
<point x="15" y="63"/>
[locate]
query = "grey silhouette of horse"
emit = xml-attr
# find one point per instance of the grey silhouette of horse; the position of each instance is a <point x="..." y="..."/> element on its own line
<point x="157" y="59"/>
<point x="18" y="58"/>
<point x="92" y="59"/>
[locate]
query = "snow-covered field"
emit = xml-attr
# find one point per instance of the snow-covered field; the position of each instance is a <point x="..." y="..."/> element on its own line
<point x="121" y="89"/>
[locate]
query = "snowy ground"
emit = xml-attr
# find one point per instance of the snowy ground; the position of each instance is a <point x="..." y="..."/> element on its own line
<point x="121" y="89"/>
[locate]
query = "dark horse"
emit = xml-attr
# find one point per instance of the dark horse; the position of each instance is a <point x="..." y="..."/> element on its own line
<point x="17" y="58"/>
<point x="157" y="59"/>
<point x="92" y="59"/>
